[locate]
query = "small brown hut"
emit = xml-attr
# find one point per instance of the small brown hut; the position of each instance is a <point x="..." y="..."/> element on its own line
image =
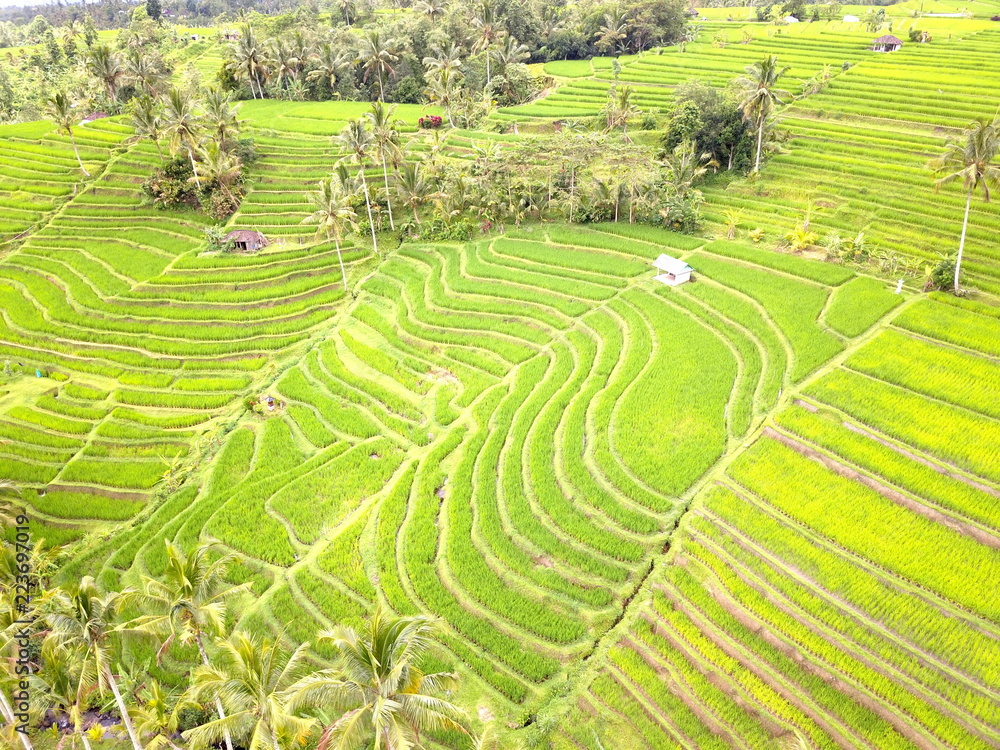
<point x="247" y="240"/>
<point x="94" y="116"/>
<point x="887" y="43"/>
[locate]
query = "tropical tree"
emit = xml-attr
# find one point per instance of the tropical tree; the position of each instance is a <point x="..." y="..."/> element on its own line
<point x="512" y="51"/>
<point x="612" y="33"/>
<point x="66" y="684"/>
<point x="84" y="621"/>
<point x="443" y="89"/>
<point x="971" y="160"/>
<point x="414" y="188"/>
<point x="141" y="69"/>
<point x="104" y="65"/>
<point x="684" y="166"/>
<point x="432" y="10"/>
<point x="357" y="140"/>
<point x="444" y="59"/>
<point x="383" y="698"/>
<point x="252" y="678"/>
<point x="620" y="108"/>
<point x="333" y="215"/>
<point x="488" y="29"/>
<point x="759" y="96"/>
<point x="220" y="168"/>
<point x="147" y="120"/>
<point x="189" y="604"/>
<point x="59" y="109"/>
<point x="385" y="136"/>
<point x="182" y="126"/>
<point x="221" y="115"/>
<point x="328" y="64"/>
<point x="377" y="56"/>
<point x="159" y="716"/>
<point x="248" y="60"/>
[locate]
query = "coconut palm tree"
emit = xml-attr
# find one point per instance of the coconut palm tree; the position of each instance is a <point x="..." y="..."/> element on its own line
<point x="444" y="59"/>
<point x="512" y="51"/>
<point x="488" y="28"/>
<point x="248" y="60"/>
<point x="218" y="167"/>
<point x="182" y="126"/>
<point x="333" y="215"/>
<point x="84" y="620"/>
<point x="348" y="8"/>
<point x="386" y="139"/>
<point x="684" y="167"/>
<point x="147" y="121"/>
<point x="972" y="161"/>
<point x="66" y="682"/>
<point x="329" y="63"/>
<point x="413" y="186"/>
<point x="189" y="604"/>
<point x="432" y="10"/>
<point x="612" y="33"/>
<point x="443" y="89"/>
<point x="104" y="65"/>
<point x="221" y="115"/>
<point x="377" y="56"/>
<point x="156" y="717"/>
<point x="381" y="695"/>
<point x="59" y="109"/>
<point x="357" y="140"/>
<point x="142" y="71"/>
<point x="620" y="108"/>
<point x="251" y="677"/>
<point x="760" y="95"/>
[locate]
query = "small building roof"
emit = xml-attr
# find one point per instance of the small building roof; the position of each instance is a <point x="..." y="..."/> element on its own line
<point x="669" y="264"/>
<point x="94" y="116"/>
<point x="851" y="19"/>
<point x="249" y="236"/>
<point x="888" y="39"/>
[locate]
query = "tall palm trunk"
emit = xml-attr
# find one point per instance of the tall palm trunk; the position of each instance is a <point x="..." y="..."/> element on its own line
<point x="388" y="202"/>
<point x="368" y="205"/>
<point x="961" y="244"/>
<point x="381" y="87"/>
<point x="218" y="701"/>
<point x="8" y="715"/>
<point x="159" y="150"/>
<point x="194" y="168"/>
<point x="343" y="273"/>
<point x="123" y="710"/>
<point x="760" y="142"/>
<point x="487" y="64"/>
<point x="76" y="152"/>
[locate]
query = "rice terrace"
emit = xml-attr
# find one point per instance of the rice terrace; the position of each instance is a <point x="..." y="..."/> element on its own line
<point x="585" y="375"/>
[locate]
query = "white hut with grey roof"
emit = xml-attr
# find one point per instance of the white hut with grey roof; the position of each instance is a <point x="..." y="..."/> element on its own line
<point x="673" y="271"/>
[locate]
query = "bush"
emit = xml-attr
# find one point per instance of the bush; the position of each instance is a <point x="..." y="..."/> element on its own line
<point x="171" y="185"/>
<point x="430" y="122"/>
<point x="943" y="275"/>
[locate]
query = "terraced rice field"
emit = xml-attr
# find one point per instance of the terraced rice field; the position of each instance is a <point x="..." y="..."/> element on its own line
<point x="864" y="141"/>
<point x="832" y="581"/>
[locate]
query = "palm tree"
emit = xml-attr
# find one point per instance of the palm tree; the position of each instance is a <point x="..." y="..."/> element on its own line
<point x="329" y="62"/>
<point x="157" y="717"/>
<point x="333" y="215"/>
<point x="971" y="162"/>
<point x="414" y="188"/>
<point x="357" y="139"/>
<point x="376" y="686"/>
<point x="386" y="138"/>
<point x="444" y="59"/>
<point x="66" y="682"/>
<point x="443" y="89"/>
<point x="489" y="29"/>
<point x="221" y="115"/>
<point x="251" y="679"/>
<point x="248" y="58"/>
<point x="190" y="602"/>
<point x="512" y="51"/>
<point x="377" y="56"/>
<point x="147" y="121"/>
<point x="760" y="96"/>
<point x="82" y="620"/>
<point x="104" y="65"/>
<point x="286" y="64"/>
<point x="182" y="125"/>
<point x="59" y="109"/>
<point x="432" y="10"/>
<point x="347" y="8"/>
<point x="684" y="167"/>
<point x="141" y="70"/>
<point x="611" y="34"/>
<point x="620" y="108"/>
<point x="218" y="167"/>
